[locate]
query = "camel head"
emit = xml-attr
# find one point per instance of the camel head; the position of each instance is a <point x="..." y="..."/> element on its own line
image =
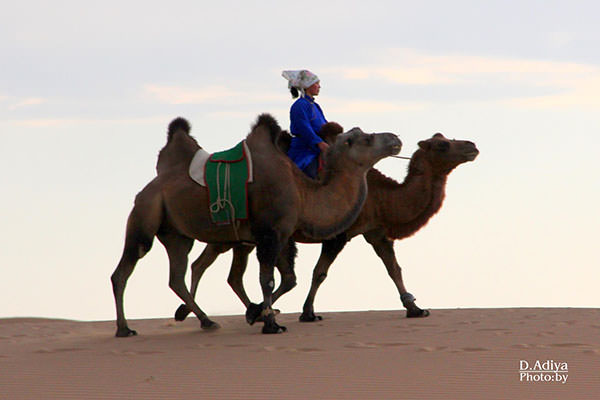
<point x="363" y="150"/>
<point x="444" y="154"/>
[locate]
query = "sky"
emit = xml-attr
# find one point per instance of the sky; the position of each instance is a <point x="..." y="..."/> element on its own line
<point x="87" y="91"/>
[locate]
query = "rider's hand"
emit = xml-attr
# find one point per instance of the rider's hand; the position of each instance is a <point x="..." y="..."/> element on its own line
<point x="323" y="147"/>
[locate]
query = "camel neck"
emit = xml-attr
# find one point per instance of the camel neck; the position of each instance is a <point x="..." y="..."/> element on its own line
<point x="332" y="207"/>
<point x="404" y="208"/>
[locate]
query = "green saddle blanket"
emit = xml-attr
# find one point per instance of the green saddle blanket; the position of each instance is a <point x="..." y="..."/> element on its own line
<point x="227" y="176"/>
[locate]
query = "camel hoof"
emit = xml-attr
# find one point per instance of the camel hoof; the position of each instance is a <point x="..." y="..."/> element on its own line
<point x="209" y="325"/>
<point x="417" y="313"/>
<point x="412" y="310"/>
<point x="253" y="312"/>
<point x="273" y="328"/>
<point x="309" y="317"/>
<point x="182" y="312"/>
<point x="261" y="319"/>
<point x="125" y="332"/>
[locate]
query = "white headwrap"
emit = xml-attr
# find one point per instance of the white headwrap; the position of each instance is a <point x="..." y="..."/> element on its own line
<point x="300" y="79"/>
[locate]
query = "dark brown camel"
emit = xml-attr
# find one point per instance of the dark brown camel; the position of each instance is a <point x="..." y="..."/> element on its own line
<point x="281" y="201"/>
<point x="392" y="211"/>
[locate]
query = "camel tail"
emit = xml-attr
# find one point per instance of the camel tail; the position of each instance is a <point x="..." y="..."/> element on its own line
<point x="270" y="123"/>
<point x="176" y="125"/>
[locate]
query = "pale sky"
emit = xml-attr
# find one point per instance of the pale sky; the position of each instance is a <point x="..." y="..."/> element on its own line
<point x="87" y="91"/>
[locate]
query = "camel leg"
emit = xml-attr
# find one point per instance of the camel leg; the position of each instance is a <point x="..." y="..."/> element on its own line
<point x="119" y="280"/>
<point x="142" y="224"/>
<point x="236" y="281"/>
<point x="178" y="248"/>
<point x="238" y="268"/>
<point x="267" y="250"/>
<point x="329" y="251"/>
<point x="285" y="265"/>
<point x="202" y="263"/>
<point x="385" y="250"/>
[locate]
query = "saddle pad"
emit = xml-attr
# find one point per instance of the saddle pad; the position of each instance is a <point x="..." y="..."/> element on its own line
<point x="226" y="175"/>
<point x="197" y="166"/>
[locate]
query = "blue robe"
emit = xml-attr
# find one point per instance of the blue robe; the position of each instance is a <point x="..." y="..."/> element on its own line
<point x="306" y="119"/>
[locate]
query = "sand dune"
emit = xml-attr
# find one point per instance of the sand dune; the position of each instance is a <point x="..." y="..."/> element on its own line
<point x="453" y="354"/>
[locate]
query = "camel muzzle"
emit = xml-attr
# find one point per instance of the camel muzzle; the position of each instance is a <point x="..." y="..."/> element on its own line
<point x="392" y="143"/>
<point x="471" y="153"/>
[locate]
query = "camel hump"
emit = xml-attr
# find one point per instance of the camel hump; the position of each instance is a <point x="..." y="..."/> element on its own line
<point x="178" y="124"/>
<point x="329" y="131"/>
<point x="268" y="121"/>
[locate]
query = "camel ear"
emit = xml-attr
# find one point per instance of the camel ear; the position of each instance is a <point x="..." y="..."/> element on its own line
<point x="424" y="144"/>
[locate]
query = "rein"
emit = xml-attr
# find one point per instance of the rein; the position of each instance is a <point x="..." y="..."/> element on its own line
<point x="224" y="199"/>
<point x="404" y="158"/>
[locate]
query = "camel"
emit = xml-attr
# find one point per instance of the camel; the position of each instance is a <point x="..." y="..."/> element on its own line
<point x="281" y="200"/>
<point x="393" y="211"/>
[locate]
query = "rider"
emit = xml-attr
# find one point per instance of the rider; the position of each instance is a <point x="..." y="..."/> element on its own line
<point x="306" y="120"/>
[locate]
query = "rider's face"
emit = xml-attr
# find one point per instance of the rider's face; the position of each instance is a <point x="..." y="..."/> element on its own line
<point x="314" y="89"/>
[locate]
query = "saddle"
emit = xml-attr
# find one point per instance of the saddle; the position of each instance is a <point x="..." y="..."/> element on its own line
<point x="226" y="175"/>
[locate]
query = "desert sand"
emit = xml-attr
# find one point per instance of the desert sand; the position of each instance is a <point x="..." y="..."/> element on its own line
<point x="453" y="354"/>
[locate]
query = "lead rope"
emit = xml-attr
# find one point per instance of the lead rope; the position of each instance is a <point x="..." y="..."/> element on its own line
<point x="225" y="201"/>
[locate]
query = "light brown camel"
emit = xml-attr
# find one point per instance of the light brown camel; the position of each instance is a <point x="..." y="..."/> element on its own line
<point x="392" y="211"/>
<point x="281" y="200"/>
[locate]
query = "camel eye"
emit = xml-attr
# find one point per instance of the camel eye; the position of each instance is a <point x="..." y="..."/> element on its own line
<point x="369" y="140"/>
<point x="443" y="146"/>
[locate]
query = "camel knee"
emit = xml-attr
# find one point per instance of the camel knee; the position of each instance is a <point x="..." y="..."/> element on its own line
<point x="198" y="270"/>
<point x="116" y="278"/>
<point x="177" y="283"/>
<point x="143" y="249"/>
<point x="234" y="282"/>
<point x="124" y="268"/>
<point x="288" y="282"/>
<point x="231" y="281"/>
<point x="236" y="274"/>
<point x="115" y="281"/>
<point x="395" y="272"/>
<point x="318" y="279"/>
<point x="267" y="282"/>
